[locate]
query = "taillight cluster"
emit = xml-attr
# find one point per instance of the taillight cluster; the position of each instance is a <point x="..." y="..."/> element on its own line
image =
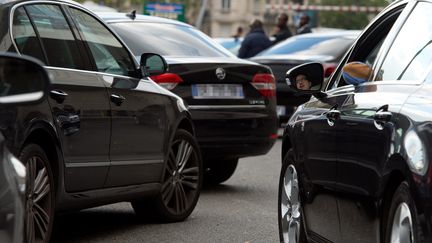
<point x="167" y="80"/>
<point x="329" y="68"/>
<point x="265" y="84"/>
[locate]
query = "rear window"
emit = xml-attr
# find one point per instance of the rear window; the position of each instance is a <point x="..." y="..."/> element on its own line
<point x="168" y="40"/>
<point x="328" y="45"/>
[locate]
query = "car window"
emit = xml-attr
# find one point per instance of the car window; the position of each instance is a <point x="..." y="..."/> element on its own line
<point x="56" y="36"/>
<point x="25" y="36"/>
<point x="109" y="54"/>
<point x="410" y="55"/>
<point x="326" y="45"/>
<point x="366" y="48"/>
<point x="168" y="40"/>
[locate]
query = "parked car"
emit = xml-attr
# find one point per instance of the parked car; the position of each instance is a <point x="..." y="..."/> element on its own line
<point x="357" y="156"/>
<point x="232" y="101"/>
<point x="15" y="90"/>
<point x="325" y="47"/>
<point x="106" y="133"/>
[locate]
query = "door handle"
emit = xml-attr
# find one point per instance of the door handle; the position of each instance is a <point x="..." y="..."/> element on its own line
<point x="332" y="115"/>
<point x="382" y="116"/>
<point x="117" y="99"/>
<point x="58" y="95"/>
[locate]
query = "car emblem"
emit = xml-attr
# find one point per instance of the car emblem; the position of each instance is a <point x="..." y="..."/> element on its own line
<point x="220" y="73"/>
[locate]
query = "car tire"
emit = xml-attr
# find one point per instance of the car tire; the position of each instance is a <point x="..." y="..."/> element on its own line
<point x="181" y="184"/>
<point x="40" y="194"/>
<point x="218" y="171"/>
<point x="290" y="212"/>
<point x="402" y="223"/>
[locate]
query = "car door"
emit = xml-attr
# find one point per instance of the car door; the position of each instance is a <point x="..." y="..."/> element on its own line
<point x="139" y="122"/>
<point x="371" y="121"/>
<point x="78" y="99"/>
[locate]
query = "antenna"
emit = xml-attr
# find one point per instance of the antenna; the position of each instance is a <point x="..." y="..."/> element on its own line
<point x="132" y="14"/>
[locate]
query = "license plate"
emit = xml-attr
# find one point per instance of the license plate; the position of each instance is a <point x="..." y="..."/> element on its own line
<point x="217" y="91"/>
<point x="281" y="111"/>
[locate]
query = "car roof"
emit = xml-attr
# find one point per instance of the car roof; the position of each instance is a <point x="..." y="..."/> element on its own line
<point x="110" y="17"/>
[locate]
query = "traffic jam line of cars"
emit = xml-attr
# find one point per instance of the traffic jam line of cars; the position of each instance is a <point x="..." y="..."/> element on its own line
<point x="116" y="124"/>
<point x="109" y="129"/>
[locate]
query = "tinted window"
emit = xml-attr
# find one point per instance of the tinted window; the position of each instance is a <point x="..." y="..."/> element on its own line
<point x="25" y="36"/>
<point x="332" y="46"/>
<point x="411" y="53"/>
<point x="109" y="54"/>
<point x="168" y="39"/>
<point x="56" y="35"/>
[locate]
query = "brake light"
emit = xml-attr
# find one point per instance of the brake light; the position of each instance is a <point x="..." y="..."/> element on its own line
<point x="167" y="80"/>
<point x="329" y="68"/>
<point x="265" y="84"/>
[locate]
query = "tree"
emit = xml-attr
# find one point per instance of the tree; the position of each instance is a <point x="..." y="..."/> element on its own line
<point x="348" y="20"/>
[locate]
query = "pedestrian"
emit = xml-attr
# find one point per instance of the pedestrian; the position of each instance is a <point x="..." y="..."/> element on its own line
<point x="282" y="30"/>
<point x="304" y="26"/>
<point x="238" y="34"/>
<point x="255" y="41"/>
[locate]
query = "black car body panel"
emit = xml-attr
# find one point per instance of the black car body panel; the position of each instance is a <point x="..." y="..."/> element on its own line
<point x="225" y="127"/>
<point x="351" y="166"/>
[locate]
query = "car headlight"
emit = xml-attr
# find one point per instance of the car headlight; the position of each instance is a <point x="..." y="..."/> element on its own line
<point x="416" y="153"/>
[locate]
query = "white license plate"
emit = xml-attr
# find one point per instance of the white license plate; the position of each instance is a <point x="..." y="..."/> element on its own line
<point x="217" y="91"/>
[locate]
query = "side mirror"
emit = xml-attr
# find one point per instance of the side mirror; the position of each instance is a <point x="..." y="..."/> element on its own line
<point x="22" y="80"/>
<point x="152" y="64"/>
<point x="307" y="78"/>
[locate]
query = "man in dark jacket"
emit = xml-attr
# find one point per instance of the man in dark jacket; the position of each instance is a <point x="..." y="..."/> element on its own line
<point x="255" y="41"/>
<point x="283" y="31"/>
<point x="304" y="26"/>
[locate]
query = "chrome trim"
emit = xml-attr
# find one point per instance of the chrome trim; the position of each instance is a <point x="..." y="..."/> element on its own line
<point x="137" y="162"/>
<point x="215" y="107"/>
<point x="91" y="164"/>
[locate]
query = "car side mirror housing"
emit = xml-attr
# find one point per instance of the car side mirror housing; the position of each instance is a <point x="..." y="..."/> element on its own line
<point x="152" y="64"/>
<point x="307" y="78"/>
<point x="22" y="80"/>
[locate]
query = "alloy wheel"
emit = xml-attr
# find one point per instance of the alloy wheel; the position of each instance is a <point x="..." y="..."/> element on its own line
<point x="38" y="200"/>
<point x="181" y="179"/>
<point x="290" y="206"/>
<point x="402" y="228"/>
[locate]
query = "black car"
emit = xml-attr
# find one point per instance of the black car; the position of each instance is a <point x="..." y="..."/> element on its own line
<point x="31" y="88"/>
<point x="106" y="132"/>
<point x="325" y="47"/>
<point x="232" y="101"/>
<point x="357" y="156"/>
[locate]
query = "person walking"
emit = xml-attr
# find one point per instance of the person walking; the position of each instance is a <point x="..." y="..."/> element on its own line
<point x="255" y="41"/>
<point x="304" y="26"/>
<point x="282" y="32"/>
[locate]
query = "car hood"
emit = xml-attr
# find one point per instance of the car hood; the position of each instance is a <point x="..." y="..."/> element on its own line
<point x="292" y="58"/>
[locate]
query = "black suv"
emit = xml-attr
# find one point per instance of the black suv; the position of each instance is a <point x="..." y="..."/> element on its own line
<point x="357" y="155"/>
<point x="106" y="133"/>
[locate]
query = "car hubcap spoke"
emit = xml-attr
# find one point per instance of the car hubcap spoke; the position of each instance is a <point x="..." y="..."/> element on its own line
<point x="402" y="228"/>
<point x="290" y="206"/>
<point x="38" y="200"/>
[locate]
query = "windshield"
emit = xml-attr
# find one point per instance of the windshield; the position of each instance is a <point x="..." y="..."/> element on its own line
<point x="168" y="40"/>
<point x="327" y="45"/>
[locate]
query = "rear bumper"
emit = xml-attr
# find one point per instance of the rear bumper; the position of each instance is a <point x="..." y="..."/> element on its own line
<point x="235" y="133"/>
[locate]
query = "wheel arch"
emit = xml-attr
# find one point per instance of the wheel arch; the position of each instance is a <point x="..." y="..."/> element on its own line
<point x="44" y="136"/>
<point x="286" y="146"/>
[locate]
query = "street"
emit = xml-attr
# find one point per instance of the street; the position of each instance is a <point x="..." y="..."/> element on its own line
<point x="243" y="209"/>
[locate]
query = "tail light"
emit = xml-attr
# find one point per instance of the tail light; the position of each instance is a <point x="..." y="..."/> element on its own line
<point x="167" y="80"/>
<point x="329" y="68"/>
<point x="265" y="84"/>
